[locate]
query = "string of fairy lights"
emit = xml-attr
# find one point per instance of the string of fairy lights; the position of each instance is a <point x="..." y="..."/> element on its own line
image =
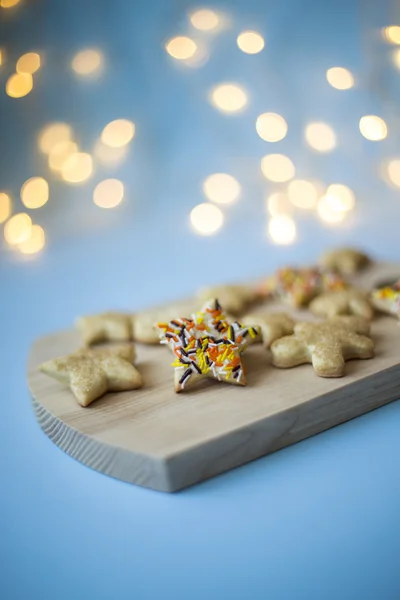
<point x="66" y="161"/>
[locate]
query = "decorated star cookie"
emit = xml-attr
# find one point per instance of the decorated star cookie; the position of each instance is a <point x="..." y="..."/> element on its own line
<point x="325" y="345"/>
<point x="90" y="373"/>
<point x="105" y="327"/>
<point x="297" y="287"/>
<point x="387" y="299"/>
<point x="207" y="345"/>
<point x="234" y="298"/>
<point x="273" y="325"/>
<point x="346" y="261"/>
<point x="342" y="302"/>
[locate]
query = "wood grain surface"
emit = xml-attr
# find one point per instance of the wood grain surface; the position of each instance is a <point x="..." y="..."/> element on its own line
<point x="166" y="441"/>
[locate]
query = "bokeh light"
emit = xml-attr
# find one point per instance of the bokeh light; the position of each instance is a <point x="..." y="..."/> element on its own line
<point x="77" y="168"/>
<point x="109" y="156"/>
<point x="2" y="56"/>
<point x="18" y="228"/>
<point x="204" y="19"/>
<point x="88" y="62"/>
<point x="108" y="193"/>
<point x="392" y="34"/>
<point x="282" y="229"/>
<point x="221" y="188"/>
<point x="8" y="3"/>
<point x="303" y="194"/>
<point x="28" y="63"/>
<point x="340" y="78"/>
<point x="35" y="192"/>
<point x="271" y="127"/>
<point x="5" y="207"/>
<point x="277" y="167"/>
<point x="278" y="203"/>
<point x="373" y="128"/>
<point x="60" y="152"/>
<point x="250" y="42"/>
<point x="396" y="58"/>
<point x="19" y="85"/>
<point x="52" y="135"/>
<point x="118" y="133"/>
<point x="181" y="47"/>
<point x="328" y="213"/>
<point x="206" y="218"/>
<point x="393" y="171"/>
<point x="320" y="137"/>
<point x="340" y="198"/>
<point x="35" y="241"/>
<point x="228" y="97"/>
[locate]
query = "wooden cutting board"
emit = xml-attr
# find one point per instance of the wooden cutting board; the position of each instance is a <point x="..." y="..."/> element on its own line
<point x="166" y="441"/>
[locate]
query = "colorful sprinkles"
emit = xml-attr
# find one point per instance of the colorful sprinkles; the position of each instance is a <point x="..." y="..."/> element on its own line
<point x="300" y="286"/>
<point x="207" y="345"/>
<point x="390" y="295"/>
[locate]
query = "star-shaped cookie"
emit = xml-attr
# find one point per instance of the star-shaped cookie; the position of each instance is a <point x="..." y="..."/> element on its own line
<point x="342" y="302"/>
<point x="325" y="345"/>
<point x="206" y="345"/>
<point x="273" y="325"/>
<point x="105" y="327"/>
<point x="346" y="261"/>
<point x="234" y="298"/>
<point x="387" y="299"/>
<point x="90" y="373"/>
<point x="297" y="287"/>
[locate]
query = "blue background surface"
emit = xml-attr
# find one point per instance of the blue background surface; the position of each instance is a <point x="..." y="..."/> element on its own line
<point x="318" y="520"/>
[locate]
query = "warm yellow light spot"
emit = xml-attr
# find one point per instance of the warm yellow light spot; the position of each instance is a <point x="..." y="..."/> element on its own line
<point x="52" y="135"/>
<point x="2" y="56"/>
<point x="5" y="207"/>
<point x="320" y="137"/>
<point x="87" y="62"/>
<point x="277" y="167"/>
<point x="206" y="218"/>
<point x="60" y="153"/>
<point x="228" y="97"/>
<point x="77" y="168"/>
<point x="108" y="193"/>
<point x="328" y="213"/>
<point x="271" y="127"/>
<point x="396" y="58"/>
<point x="392" y="34"/>
<point x="18" y="228"/>
<point x="35" y="192"/>
<point x="8" y="3"/>
<point x="303" y="194"/>
<point x="28" y="63"/>
<point x="393" y="172"/>
<point x="35" y="242"/>
<point x="181" y="47"/>
<point x="204" y="19"/>
<point x="250" y="42"/>
<point x="118" y="133"/>
<point x="109" y="156"/>
<point x="340" y="78"/>
<point x="340" y="197"/>
<point x="221" y="188"/>
<point x="19" y="85"/>
<point x="278" y="204"/>
<point x="373" y="128"/>
<point x="282" y="229"/>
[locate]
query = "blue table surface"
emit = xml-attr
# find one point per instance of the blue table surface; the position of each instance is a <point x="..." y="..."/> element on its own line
<point x="316" y="521"/>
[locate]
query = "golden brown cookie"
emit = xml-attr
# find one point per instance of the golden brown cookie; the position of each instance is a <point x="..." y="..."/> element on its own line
<point x="387" y="299"/>
<point x="346" y="261"/>
<point x="343" y="302"/>
<point x="234" y="298"/>
<point x="325" y="345"/>
<point x="298" y="286"/>
<point x="144" y="322"/>
<point x="273" y="325"/>
<point x="90" y="373"/>
<point x="105" y="327"/>
<point x="207" y="345"/>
